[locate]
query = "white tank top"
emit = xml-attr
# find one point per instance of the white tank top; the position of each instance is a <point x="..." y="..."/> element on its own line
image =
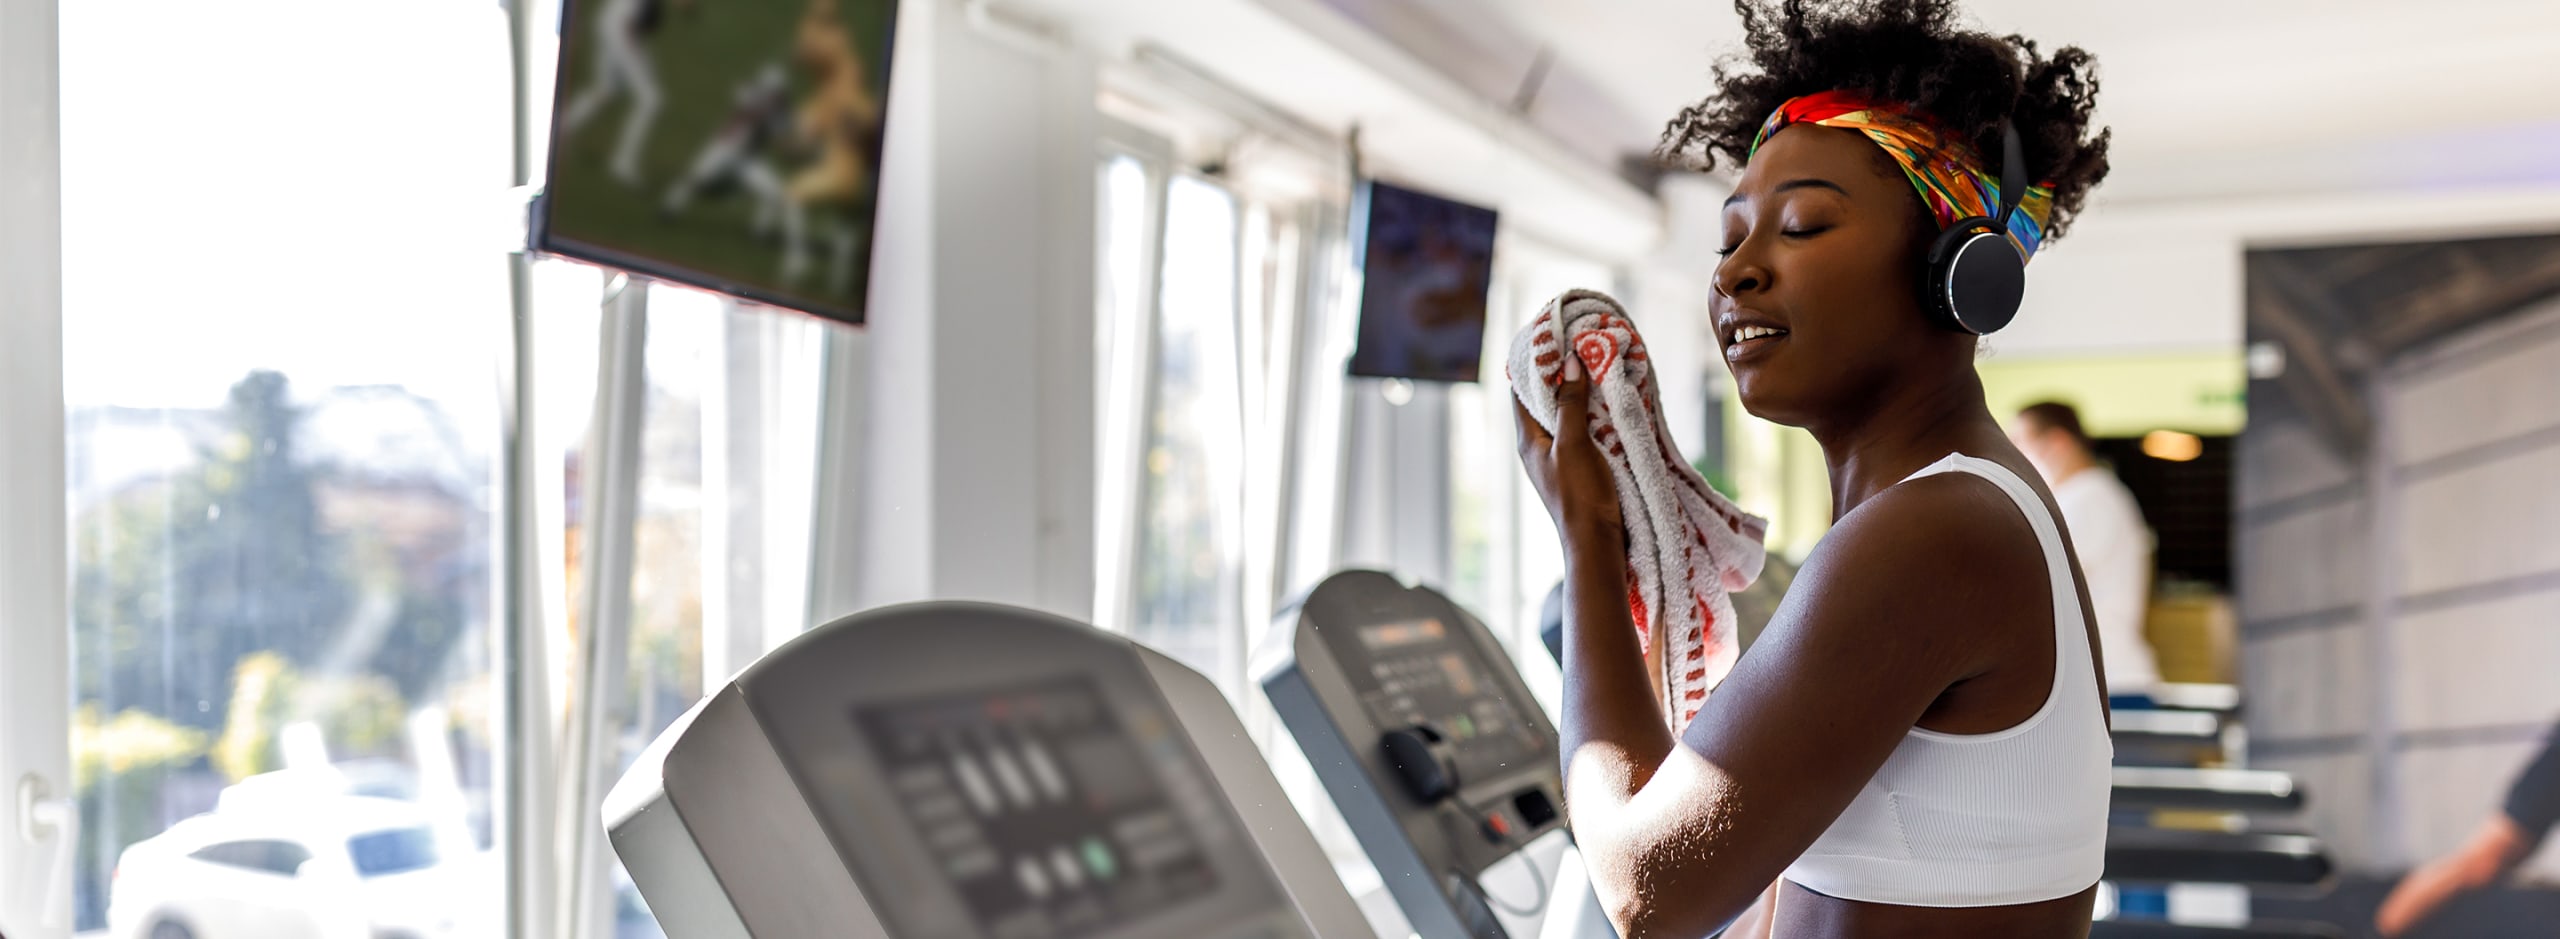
<point x="1998" y="819"/>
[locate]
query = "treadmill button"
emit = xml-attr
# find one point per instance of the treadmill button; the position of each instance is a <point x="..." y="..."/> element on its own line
<point x="1062" y="863"/>
<point x="1097" y="858"/>
<point x="1034" y="880"/>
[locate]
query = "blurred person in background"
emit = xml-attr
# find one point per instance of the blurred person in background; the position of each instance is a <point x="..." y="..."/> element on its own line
<point x="623" y="69"/>
<point x="2107" y="531"/>
<point x="839" y="120"/>
<point x="2495" y="851"/>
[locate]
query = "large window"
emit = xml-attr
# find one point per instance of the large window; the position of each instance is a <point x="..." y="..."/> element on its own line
<point x="285" y="311"/>
<point x="1205" y="297"/>
<point x="719" y="525"/>
<point x="282" y="310"/>
<point x="1189" y="569"/>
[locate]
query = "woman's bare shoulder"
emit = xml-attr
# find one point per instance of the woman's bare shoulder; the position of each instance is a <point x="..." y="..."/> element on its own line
<point x="1942" y="550"/>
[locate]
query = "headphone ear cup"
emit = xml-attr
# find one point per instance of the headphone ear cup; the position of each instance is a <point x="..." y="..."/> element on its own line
<point x="1975" y="278"/>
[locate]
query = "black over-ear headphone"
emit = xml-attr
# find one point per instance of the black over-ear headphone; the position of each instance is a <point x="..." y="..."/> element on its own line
<point x="1975" y="276"/>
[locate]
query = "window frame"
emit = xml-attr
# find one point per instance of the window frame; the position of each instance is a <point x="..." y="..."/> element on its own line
<point x="36" y="851"/>
<point x="1121" y="409"/>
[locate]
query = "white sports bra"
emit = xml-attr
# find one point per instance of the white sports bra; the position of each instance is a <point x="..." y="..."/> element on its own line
<point x="1998" y="819"/>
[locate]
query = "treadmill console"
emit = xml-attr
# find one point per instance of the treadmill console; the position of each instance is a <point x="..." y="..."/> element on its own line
<point x="1047" y="814"/>
<point x="1426" y="672"/>
<point x="1424" y="735"/>
<point x="955" y="771"/>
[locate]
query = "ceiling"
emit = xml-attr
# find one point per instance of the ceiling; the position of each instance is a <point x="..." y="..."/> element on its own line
<point x="2342" y="313"/>
<point x="2212" y="102"/>
<point x="2205" y="96"/>
<point x="1416" y="123"/>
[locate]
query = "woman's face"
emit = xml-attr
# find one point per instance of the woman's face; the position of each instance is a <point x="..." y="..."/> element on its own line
<point x="1816" y="302"/>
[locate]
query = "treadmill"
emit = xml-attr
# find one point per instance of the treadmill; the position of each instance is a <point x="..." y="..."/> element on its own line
<point x="1442" y="763"/>
<point x="968" y="771"/>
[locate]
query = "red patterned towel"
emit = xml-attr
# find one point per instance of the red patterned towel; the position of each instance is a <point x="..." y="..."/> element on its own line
<point x="1688" y="547"/>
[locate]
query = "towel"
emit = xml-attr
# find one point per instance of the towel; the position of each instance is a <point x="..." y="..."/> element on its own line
<point x="1688" y="547"/>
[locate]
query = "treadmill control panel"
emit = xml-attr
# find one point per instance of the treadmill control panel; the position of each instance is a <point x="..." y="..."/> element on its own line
<point x="1426" y="738"/>
<point x="958" y="770"/>
<point x="1420" y="672"/>
<point x="1049" y="815"/>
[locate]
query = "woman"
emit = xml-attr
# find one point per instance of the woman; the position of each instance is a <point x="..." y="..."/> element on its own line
<point x="1917" y="744"/>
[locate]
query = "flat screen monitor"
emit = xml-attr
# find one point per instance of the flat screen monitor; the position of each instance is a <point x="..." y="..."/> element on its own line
<point x="1426" y="264"/>
<point x="732" y="145"/>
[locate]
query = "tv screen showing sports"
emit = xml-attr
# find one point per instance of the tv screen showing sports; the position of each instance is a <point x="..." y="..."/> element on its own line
<point x="732" y="145"/>
<point x="1426" y="263"/>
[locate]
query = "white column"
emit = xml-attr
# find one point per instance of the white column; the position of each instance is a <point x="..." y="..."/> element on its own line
<point x="1396" y="484"/>
<point x="35" y="655"/>
<point x="975" y="458"/>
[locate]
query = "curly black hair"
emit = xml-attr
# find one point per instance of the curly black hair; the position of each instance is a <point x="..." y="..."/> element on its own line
<point x="1913" y="52"/>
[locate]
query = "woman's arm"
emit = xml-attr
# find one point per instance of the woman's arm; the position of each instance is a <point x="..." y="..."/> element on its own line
<point x="2502" y="843"/>
<point x="1888" y="614"/>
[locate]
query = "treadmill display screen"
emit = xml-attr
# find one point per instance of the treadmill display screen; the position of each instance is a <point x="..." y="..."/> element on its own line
<point x="1391" y="635"/>
<point x="1048" y="815"/>
<point x="1422" y="672"/>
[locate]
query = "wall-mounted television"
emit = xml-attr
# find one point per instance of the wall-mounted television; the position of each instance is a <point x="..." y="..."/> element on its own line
<point x="1426" y="265"/>
<point x="732" y="145"/>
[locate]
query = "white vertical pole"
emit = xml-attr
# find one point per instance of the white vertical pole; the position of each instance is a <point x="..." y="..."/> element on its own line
<point x="612" y="473"/>
<point x="37" y="817"/>
<point x="521" y="813"/>
<point x="728" y="524"/>
<point x="792" y="369"/>
<point x="836" y="568"/>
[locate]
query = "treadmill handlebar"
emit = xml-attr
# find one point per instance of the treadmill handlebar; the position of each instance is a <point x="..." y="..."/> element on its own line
<point x="2196" y="725"/>
<point x="2155" y="855"/>
<point x="2235" y="790"/>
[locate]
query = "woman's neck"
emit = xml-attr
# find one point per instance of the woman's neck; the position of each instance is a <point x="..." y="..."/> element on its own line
<point x="1890" y="442"/>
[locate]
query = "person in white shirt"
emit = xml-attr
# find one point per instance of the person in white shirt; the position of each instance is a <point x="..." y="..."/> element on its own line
<point x="2108" y="534"/>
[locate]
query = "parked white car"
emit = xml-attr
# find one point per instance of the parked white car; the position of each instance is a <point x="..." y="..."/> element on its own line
<point x="325" y="867"/>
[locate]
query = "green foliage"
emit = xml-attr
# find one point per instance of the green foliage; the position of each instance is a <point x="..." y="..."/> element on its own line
<point x="262" y="694"/>
<point x="177" y="581"/>
<point x="130" y="747"/>
<point x="117" y="766"/>
<point x="1717" y="479"/>
<point x="360" y="715"/>
<point x="218" y="602"/>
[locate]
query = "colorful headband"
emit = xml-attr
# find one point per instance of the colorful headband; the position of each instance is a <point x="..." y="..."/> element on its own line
<point x="1948" y="175"/>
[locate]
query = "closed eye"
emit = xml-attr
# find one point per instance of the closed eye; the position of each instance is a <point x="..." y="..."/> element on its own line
<point x="1728" y="250"/>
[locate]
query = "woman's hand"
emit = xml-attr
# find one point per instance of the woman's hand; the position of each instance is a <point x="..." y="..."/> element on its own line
<point x="1567" y="469"/>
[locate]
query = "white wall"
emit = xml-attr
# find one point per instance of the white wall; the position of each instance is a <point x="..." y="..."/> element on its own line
<point x="2166" y="276"/>
<point x="976" y="450"/>
<point x="2401" y="613"/>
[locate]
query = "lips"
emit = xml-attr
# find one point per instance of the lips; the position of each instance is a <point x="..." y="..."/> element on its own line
<point x="1749" y="334"/>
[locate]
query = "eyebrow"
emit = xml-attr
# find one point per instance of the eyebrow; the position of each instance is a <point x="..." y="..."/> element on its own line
<point x="1807" y="183"/>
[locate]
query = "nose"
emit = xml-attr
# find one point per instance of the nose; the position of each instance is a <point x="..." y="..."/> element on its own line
<point x="1738" y="273"/>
